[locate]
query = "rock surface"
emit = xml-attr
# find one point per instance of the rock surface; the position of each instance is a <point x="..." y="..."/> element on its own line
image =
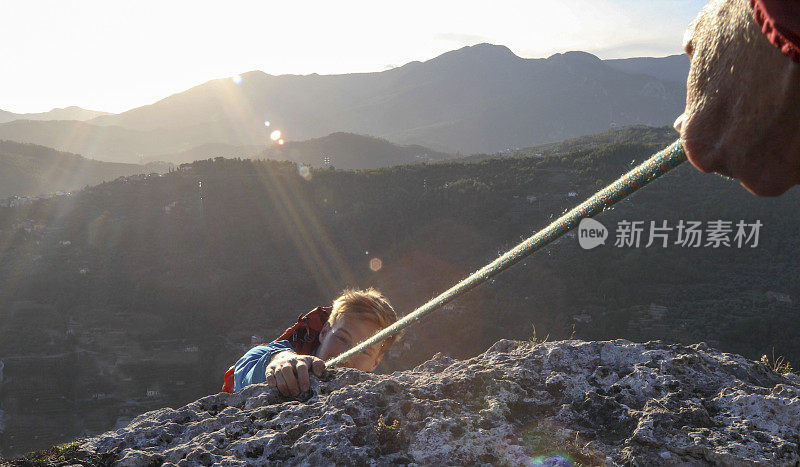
<point x="610" y="402"/>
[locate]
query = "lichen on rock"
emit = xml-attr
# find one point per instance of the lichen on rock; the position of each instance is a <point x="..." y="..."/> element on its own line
<point x="610" y="402"/>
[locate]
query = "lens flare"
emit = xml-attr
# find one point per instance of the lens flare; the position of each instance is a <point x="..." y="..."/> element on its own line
<point x="280" y="141"/>
<point x="266" y="122"/>
<point x="304" y="171"/>
<point x="237" y="80"/>
<point x="375" y="264"/>
<point x="275" y="135"/>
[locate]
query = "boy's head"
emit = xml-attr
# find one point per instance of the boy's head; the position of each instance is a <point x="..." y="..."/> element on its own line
<point x="357" y="315"/>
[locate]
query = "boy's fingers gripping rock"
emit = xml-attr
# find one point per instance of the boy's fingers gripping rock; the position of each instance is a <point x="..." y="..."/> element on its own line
<point x="280" y="383"/>
<point x="301" y="368"/>
<point x="317" y="366"/>
<point x="270" y="378"/>
<point x="290" y="381"/>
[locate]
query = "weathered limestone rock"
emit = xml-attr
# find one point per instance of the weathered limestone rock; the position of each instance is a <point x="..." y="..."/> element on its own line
<point x="611" y="402"/>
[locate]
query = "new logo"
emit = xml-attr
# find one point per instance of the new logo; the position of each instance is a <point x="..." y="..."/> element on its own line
<point x="591" y="233"/>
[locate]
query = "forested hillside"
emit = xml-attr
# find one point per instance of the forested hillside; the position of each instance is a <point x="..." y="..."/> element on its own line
<point x="148" y="287"/>
<point x="29" y="170"/>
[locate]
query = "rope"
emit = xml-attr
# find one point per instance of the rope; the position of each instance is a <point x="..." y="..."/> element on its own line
<point x="659" y="164"/>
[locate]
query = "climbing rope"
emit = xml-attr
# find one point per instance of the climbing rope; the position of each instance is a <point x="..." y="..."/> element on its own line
<point x="659" y="164"/>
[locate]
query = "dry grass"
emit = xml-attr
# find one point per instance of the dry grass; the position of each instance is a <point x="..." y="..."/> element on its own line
<point x="778" y="365"/>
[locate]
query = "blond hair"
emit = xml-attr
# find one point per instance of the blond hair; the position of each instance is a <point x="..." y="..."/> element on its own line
<point x="367" y="304"/>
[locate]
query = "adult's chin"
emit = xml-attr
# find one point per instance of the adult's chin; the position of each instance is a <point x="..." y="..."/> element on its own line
<point x="770" y="183"/>
<point x="759" y="173"/>
<point x="768" y="167"/>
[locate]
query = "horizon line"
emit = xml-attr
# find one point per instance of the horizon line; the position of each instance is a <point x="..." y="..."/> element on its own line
<point x="385" y="69"/>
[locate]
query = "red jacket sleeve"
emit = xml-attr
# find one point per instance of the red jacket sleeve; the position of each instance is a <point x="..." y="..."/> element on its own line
<point x="780" y="22"/>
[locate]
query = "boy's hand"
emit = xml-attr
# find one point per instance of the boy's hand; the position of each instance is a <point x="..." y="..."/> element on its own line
<point x="289" y="372"/>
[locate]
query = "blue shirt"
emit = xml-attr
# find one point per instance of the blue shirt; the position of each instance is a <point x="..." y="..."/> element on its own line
<point x="250" y="368"/>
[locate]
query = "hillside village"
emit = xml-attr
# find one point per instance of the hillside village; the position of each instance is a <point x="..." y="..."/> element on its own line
<point x="17" y="201"/>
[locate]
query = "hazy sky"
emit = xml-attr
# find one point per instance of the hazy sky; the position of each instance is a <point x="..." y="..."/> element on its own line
<point x="113" y="56"/>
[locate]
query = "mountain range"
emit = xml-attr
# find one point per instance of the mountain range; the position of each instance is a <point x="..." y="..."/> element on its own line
<point x="351" y="151"/>
<point x="66" y="113"/>
<point x="481" y="98"/>
<point x="32" y="170"/>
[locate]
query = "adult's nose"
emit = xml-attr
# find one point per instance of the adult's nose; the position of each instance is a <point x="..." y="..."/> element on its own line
<point x="679" y="122"/>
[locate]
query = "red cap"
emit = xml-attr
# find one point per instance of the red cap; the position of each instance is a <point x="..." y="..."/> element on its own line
<point x="780" y="22"/>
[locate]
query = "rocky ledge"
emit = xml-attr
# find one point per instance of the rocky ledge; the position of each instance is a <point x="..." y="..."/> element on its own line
<point x="553" y="403"/>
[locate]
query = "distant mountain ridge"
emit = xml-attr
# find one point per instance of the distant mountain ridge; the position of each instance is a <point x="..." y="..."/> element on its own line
<point x="32" y="170"/>
<point x="340" y="150"/>
<point x="481" y="98"/>
<point x="111" y="144"/>
<point x="674" y="68"/>
<point x="638" y="133"/>
<point x="351" y="151"/>
<point x="66" y="113"/>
